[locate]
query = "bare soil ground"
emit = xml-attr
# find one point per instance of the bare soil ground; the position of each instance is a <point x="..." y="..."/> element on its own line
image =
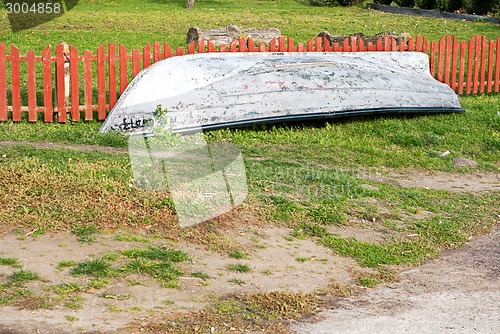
<point x="457" y="293"/>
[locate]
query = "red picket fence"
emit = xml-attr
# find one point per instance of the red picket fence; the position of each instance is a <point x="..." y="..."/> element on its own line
<point x="69" y="85"/>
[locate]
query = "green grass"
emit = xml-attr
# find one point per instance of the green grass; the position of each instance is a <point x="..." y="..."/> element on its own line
<point x="10" y="261"/>
<point x="22" y="276"/>
<point x="65" y="264"/>
<point x="98" y="268"/>
<point x="135" y="23"/>
<point x="239" y="268"/>
<point x="85" y="233"/>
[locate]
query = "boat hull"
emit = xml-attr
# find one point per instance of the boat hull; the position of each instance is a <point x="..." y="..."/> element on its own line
<point x="220" y="90"/>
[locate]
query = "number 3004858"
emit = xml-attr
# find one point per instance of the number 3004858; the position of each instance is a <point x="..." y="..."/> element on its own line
<point x="33" y="8"/>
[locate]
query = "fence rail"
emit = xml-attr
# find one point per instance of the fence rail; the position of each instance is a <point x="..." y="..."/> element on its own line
<point x="65" y="84"/>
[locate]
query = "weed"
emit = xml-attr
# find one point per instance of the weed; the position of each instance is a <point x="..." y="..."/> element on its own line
<point x="85" y="233"/>
<point x="237" y="281"/>
<point x="131" y="238"/>
<point x="65" y="264"/>
<point x="239" y="268"/>
<point x="71" y="318"/>
<point x="368" y="282"/>
<point x="10" y="261"/>
<point x="68" y="288"/>
<point x="267" y="272"/>
<point x="74" y="302"/>
<point x="22" y="276"/>
<point x="115" y="296"/>
<point x="237" y="255"/>
<point x="157" y="253"/>
<point x="98" y="268"/>
<point x="200" y="275"/>
<point x="302" y="259"/>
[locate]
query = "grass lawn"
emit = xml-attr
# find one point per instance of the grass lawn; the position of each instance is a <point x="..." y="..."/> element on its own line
<point x="135" y="23"/>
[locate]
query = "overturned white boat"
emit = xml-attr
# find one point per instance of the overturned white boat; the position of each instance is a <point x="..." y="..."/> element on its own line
<point x="218" y="90"/>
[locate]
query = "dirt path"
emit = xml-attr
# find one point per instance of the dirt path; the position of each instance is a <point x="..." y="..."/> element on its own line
<point x="457" y="293"/>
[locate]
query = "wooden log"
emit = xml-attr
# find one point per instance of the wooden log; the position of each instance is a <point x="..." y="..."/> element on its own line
<point x="227" y="34"/>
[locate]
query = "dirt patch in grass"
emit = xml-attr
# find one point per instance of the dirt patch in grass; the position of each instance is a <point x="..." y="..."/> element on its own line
<point x="456" y="181"/>
<point x="275" y="263"/>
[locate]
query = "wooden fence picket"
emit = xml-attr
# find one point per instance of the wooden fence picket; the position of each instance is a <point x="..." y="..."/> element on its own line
<point x="48" y="111"/>
<point x="3" y="84"/>
<point x="74" y="83"/>
<point x="31" y="86"/>
<point x="16" y="83"/>
<point x="468" y="67"/>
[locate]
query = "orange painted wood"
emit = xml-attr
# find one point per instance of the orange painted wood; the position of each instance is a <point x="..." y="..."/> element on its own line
<point x="281" y="44"/>
<point x="31" y="86"/>
<point x="345" y="45"/>
<point x="454" y="53"/>
<point x="48" y="109"/>
<point x="447" y="60"/>
<point x="74" y="84"/>
<point x="461" y="71"/>
<point x="378" y="45"/>
<point x="425" y="45"/>
<point x="387" y="43"/>
<point x="482" y="76"/>
<point x="200" y="46"/>
<point x="441" y="56"/>
<point x="61" y="99"/>
<point x="291" y="45"/>
<point x="418" y="46"/>
<point x="222" y="47"/>
<point x="411" y="44"/>
<point x="157" y="55"/>
<point x="489" y="81"/>
<point x="16" y="83"/>
<point x="497" y="66"/>
<point x="146" y="56"/>
<point x="272" y="45"/>
<point x="394" y="44"/>
<point x="432" y="58"/>
<point x="361" y="45"/>
<point x="123" y="68"/>
<point x="101" y="84"/>
<point x="3" y="84"/>
<point x="477" y="64"/>
<point x="354" y="46"/>
<point x="190" y="48"/>
<point x="232" y="46"/>
<point x="310" y="46"/>
<point x="210" y="46"/>
<point x="242" y="45"/>
<point x="87" y="77"/>
<point x="179" y="51"/>
<point x="112" y="57"/>
<point x="167" y="51"/>
<point x="319" y="46"/>
<point x="300" y="47"/>
<point x="470" y="58"/>
<point x="370" y="47"/>
<point x="136" y="63"/>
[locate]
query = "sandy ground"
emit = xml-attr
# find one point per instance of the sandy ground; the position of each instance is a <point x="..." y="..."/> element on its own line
<point x="457" y="293"/>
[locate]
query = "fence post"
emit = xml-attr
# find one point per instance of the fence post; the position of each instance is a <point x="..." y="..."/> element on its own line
<point x="32" y="112"/>
<point x="16" y="83"/>
<point x="3" y="84"/>
<point x="48" y="109"/>
<point x="61" y="83"/>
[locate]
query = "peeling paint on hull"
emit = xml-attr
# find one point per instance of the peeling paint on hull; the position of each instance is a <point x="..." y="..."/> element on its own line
<point x="218" y="90"/>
